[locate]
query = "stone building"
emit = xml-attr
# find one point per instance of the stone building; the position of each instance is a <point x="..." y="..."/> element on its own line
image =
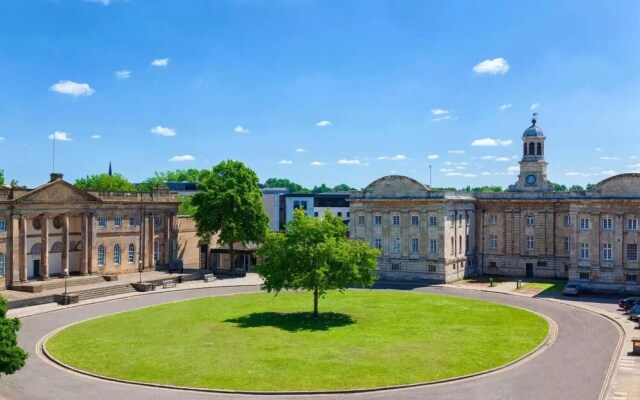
<point x="57" y="229"/>
<point x="590" y="237"/>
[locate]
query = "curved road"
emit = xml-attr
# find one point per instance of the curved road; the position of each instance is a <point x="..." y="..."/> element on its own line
<point x="574" y="367"/>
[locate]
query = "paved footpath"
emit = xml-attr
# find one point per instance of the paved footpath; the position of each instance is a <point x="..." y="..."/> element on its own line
<point x="625" y="382"/>
<point x="575" y="366"/>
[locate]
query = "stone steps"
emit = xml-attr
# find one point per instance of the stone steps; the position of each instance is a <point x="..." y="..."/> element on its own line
<point x="71" y="282"/>
<point x="105" y="291"/>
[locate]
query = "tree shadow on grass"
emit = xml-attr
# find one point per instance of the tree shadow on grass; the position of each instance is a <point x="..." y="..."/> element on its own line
<point x="293" y="322"/>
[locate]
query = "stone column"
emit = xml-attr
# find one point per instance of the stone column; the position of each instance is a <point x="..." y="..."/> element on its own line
<point x="44" y="242"/>
<point x="167" y="240"/>
<point x="22" y="262"/>
<point x="92" y="249"/>
<point x="13" y="273"/>
<point x="152" y="233"/>
<point x="65" y="245"/>
<point x="85" y="246"/>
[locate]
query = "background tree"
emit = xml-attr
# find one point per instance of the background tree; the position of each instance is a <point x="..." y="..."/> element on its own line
<point x="230" y="205"/>
<point x="105" y="182"/>
<point x="1" y="177"/>
<point x="343" y="187"/>
<point x="576" y="187"/>
<point x="285" y="183"/>
<point x="12" y="357"/>
<point x="186" y="206"/>
<point x="179" y="175"/>
<point x="321" y="189"/>
<point x="314" y="254"/>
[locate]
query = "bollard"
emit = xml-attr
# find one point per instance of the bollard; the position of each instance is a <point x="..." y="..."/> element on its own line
<point x="490" y="282"/>
<point x="519" y="284"/>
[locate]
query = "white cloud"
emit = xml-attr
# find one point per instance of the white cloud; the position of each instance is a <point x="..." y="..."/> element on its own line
<point x="493" y="67"/>
<point x="317" y="163"/>
<point x="455" y="151"/>
<point x="634" y="166"/>
<point x="2" y="139"/>
<point x="239" y="129"/>
<point x="485" y="173"/>
<point x="432" y="157"/>
<point x="598" y="149"/>
<point x="445" y="118"/>
<point x="461" y="167"/>
<point x="96" y="136"/>
<point x="575" y="173"/>
<point x="469" y="175"/>
<point x="448" y="163"/>
<point x="323" y="124"/>
<point x="513" y="169"/>
<point x="72" y="88"/>
<point x="186" y="157"/>
<point x="454" y="174"/>
<point x="301" y="150"/>
<point x="398" y="157"/>
<point x="439" y="111"/>
<point x="285" y="162"/>
<point x="608" y="158"/>
<point x="503" y="159"/>
<point x="345" y="161"/>
<point x="446" y="170"/>
<point x="491" y="142"/>
<point x="160" y="62"/>
<point x="62" y="136"/>
<point x="164" y="131"/>
<point x="463" y="163"/>
<point x="608" y="172"/>
<point x="123" y="74"/>
<point x="488" y="157"/>
<point x="633" y="157"/>
<point x="534" y="106"/>
<point x="504" y="107"/>
<point x="103" y="2"/>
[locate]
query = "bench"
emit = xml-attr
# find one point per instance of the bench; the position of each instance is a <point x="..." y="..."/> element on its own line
<point x="168" y="283"/>
<point x="209" y="277"/>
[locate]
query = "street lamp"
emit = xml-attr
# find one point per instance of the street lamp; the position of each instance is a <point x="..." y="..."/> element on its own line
<point x="140" y="270"/>
<point x="66" y="275"/>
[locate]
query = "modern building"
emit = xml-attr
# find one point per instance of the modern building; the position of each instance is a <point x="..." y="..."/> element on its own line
<point x="57" y="229"/>
<point x="337" y="203"/>
<point x="590" y="237"/>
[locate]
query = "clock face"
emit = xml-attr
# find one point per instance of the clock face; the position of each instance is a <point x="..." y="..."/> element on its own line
<point x="531" y="179"/>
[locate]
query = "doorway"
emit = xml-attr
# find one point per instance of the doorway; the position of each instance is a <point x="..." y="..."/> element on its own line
<point x="36" y="268"/>
<point x="529" y="270"/>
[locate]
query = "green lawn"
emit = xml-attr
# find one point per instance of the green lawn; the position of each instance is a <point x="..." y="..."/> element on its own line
<point x="543" y="287"/>
<point x="260" y="342"/>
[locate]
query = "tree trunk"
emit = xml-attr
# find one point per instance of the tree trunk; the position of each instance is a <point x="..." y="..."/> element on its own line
<point x="232" y="257"/>
<point x="315" y="302"/>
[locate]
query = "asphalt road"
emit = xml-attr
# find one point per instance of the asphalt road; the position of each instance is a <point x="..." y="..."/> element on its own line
<point x="574" y="367"/>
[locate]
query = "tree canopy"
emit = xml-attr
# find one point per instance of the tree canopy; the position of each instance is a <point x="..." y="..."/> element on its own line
<point x="1" y="177"/>
<point x="179" y="175"/>
<point x="186" y="206"/>
<point x="285" y="183"/>
<point x="314" y="254"/>
<point x="229" y="204"/>
<point x="105" y="182"/>
<point x="12" y="357"/>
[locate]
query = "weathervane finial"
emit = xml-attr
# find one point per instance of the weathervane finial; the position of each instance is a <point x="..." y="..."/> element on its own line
<point x="535" y="118"/>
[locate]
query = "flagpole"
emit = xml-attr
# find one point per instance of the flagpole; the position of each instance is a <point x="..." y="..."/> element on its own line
<point x="53" y="165"/>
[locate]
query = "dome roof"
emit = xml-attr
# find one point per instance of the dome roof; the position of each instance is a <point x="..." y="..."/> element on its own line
<point x="533" y="130"/>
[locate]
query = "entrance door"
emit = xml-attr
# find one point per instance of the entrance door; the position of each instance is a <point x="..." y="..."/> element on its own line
<point x="529" y="271"/>
<point x="36" y="268"/>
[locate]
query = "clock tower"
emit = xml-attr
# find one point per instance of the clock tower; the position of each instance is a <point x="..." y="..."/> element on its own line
<point x="533" y="167"/>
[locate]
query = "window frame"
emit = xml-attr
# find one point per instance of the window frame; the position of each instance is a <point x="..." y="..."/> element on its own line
<point x="396" y="245"/>
<point x="530" y="220"/>
<point x="529" y="243"/>
<point x="133" y="222"/>
<point x="607" y="223"/>
<point x="415" y="245"/>
<point x="102" y="222"/>
<point x="585" y="224"/>
<point x="584" y="251"/>
<point x="131" y="255"/>
<point x="117" y="254"/>
<point x="433" y="246"/>
<point x="493" y="242"/>
<point x="3" y="225"/>
<point x="117" y="222"/>
<point x="377" y="219"/>
<point x="360" y="219"/>
<point x="415" y="220"/>
<point x="377" y="243"/>
<point x="632" y="224"/>
<point x="607" y="252"/>
<point x="2" y="264"/>
<point x="433" y="220"/>
<point x="632" y="252"/>
<point x="103" y="256"/>
<point x="394" y="218"/>
<point x="567" y="244"/>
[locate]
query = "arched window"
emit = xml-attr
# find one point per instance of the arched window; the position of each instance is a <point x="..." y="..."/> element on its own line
<point x="56" y="247"/>
<point x="156" y="251"/>
<point x="539" y="149"/>
<point x="532" y="149"/>
<point x="525" y="149"/>
<point x="101" y="255"/>
<point x="530" y="220"/>
<point x="116" y="254"/>
<point x="36" y="249"/>
<point x="1" y="264"/>
<point x="132" y="254"/>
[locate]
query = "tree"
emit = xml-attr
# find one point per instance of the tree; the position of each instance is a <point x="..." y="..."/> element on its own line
<point x="105" y="182"/>
<point x="186" y="207"/>
<point x="285" y="183"/>
<point x="343" y="187"/>
<point x="1" y="177"/>
<point x="314" y="254"/>
<point x="576" y="187"/>
<point x="12" y="357"/>
<point x="321" y="189"/>
<point x="558" y="187"/>
<point x="179" y="175"/>
<point x="230" y="204"/>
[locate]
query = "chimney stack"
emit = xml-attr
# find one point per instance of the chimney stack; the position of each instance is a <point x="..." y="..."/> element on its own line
<point x="55" y="176"/>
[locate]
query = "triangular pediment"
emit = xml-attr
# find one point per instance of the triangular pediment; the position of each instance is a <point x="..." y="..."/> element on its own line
<point x="56" y="192"/>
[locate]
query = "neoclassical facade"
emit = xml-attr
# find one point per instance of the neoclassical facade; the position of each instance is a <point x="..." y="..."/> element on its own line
<point x="590" y="237"/>
<point x="57" y="229"/>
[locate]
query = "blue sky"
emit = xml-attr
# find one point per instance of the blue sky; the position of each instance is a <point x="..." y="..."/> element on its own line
<point x="319" y="91"/>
